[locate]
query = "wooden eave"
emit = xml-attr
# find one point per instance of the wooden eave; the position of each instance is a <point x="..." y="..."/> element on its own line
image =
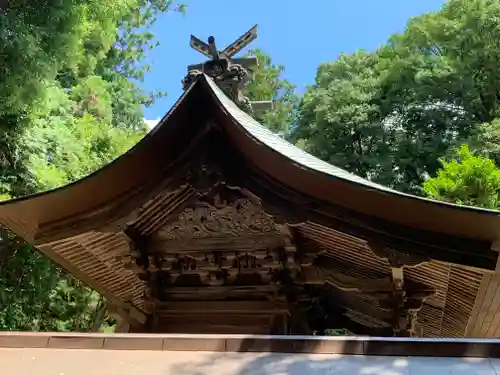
<point x="273" y="158"/>
<point x="80" y="225"/>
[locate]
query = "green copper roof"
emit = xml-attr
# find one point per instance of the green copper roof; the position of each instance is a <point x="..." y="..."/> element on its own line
<point x="306" y="160"/>
<point x="285" y="148"/>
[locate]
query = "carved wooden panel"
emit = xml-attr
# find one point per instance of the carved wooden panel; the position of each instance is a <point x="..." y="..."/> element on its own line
<point x="222" y="219"/>
<point x="218" y="267"/>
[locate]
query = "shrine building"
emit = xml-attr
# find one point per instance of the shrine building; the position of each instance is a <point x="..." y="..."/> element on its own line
<point x="214" y="224"/>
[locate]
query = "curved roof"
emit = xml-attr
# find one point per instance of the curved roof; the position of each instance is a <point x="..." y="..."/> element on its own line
<point x="361" y="194"/>
<point x="289" y="165"/>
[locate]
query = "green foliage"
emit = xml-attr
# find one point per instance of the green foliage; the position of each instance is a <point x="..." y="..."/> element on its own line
<point x="467" y="179"/>
<point x="268" y="84"/>
<point x="338" y="332"/>
<point x="69" y="104"/>
<point x="391" y="114"/>
<point x="486" y="140"/>
<point x="62" y="152"/>
<point x="36" y="295"/>
<point x="338" y="119"/>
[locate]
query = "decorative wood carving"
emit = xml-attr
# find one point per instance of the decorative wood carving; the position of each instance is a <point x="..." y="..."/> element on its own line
<point x="220" y="219"/>
<point x="199" y="262"/>
<point x="317" y="275"/>
<point x="224" y="237"/>
<point x="394" y="301"/>
<point x="220" y="268"/>
<point x="225" y="233"/>
<point x="406" y="304"/>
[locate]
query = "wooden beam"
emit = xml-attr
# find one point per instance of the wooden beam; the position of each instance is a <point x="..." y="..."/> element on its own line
<point x="135" y="313"/>
<point x="298" y="321"/>
<point x="178" y="293"/>
<point x="206" y="245"/>
<point x="278" y="325"/>
<point x="397" y="258"/>
<point x="317" y="275"/>
<point x="398" y="278"/>
<point x="220" y="307"/>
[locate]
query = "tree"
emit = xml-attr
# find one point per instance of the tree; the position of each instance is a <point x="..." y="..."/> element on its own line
<point x="391" y="114"/>
<point x="267" y="84"/>
<point x="60" y="147"/>
<point x="467" y="179"/>
<point x="440" y="81"/>
<point x="69" y="104"/>
<point x="95" y="48"/>
<point x="339" y="119"/>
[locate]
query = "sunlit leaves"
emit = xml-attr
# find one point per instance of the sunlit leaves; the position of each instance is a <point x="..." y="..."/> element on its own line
<point x="467" y="179"/>
<point x="69" y="104"/>
<point x="339" y="118"/>
<point x="268" y="84"/>
<point x="391" y="114"/>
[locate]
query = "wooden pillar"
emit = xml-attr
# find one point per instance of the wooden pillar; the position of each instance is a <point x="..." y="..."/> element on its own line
<point x="122" y="325"/>
<point x="298" y="324"/>
<point x="279" y="325"/>
<point x="126" y="319"/>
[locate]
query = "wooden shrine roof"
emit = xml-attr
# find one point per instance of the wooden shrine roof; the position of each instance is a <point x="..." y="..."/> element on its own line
<point x="81" y="225"/>
<point x="287" y="163"/>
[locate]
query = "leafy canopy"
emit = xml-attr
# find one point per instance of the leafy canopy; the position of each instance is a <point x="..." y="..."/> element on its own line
<point x="70" y="102"/>
<point x="268" y="84"/>
<point x="391" y="114"/>
<point x="467" y="179"/>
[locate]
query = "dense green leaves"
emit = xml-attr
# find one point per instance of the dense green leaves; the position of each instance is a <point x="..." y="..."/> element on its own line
<point x="69" y="104"/>
<point x="267" y="84"/>
<point x="339" y="120"/>
<point x="36" y="295"/>
<point x="466" y="179"/>
<point x="391" y="114"/>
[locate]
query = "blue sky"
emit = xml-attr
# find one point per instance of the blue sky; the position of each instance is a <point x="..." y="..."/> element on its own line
<point x="297" y="34"/>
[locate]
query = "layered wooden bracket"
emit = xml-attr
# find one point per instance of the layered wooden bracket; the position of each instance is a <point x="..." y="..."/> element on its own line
<point x="224" y="249"/>
<point x="405" y="300"/>
<point x="218" y="244"/>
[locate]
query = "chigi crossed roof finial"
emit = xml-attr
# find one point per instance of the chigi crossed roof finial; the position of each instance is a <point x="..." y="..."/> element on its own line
<point x="230" y="74"/>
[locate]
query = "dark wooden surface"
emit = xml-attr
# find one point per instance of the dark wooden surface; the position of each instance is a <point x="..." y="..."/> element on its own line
<point x="255" y="343"/>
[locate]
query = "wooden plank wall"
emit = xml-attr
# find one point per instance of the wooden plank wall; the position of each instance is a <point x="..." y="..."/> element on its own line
<point x="484" y="321"/>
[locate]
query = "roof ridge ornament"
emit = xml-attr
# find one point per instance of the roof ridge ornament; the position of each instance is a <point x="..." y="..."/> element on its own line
<point x="231" y="75"/>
